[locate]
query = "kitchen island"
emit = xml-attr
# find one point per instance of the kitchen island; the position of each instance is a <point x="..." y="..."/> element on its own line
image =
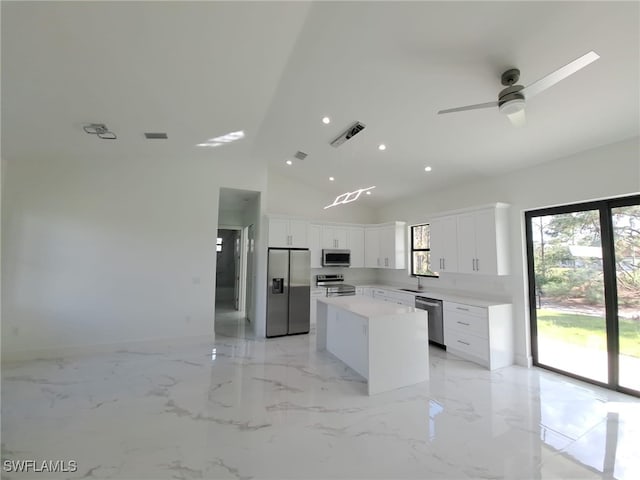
<point x="386" y="343"/>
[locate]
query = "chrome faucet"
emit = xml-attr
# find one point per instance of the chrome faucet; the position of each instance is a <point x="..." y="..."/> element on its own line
<point x="419" y="284"/>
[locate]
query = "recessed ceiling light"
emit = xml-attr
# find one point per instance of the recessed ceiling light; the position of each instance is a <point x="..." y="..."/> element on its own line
<point x="368" y="192"/>
<point x="427" y="169"/>
<point x="289" y="162"/>
<point x="382" y="146"/>
<point x="326" y="120"/>
<point x="331" y="179"/>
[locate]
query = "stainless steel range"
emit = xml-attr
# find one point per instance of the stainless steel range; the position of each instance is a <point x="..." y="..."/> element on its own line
<point x="335" y="285"/>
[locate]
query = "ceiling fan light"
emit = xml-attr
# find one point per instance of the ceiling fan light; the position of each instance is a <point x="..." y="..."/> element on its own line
<point x="518" y="119"/>
<point x="512" y="107"/>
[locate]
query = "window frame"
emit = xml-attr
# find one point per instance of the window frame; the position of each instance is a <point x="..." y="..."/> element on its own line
<point x="412" y="250"/>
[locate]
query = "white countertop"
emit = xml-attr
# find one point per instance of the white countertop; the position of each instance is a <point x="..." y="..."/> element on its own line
<point x="447" y="296"/>
<point x="366" y="306"/>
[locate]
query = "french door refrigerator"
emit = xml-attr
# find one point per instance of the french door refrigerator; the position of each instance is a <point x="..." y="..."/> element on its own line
<point x="288" y="291"/>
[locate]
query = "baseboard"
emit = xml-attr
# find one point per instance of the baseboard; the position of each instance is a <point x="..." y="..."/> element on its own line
<point x="524" y="360"/>
<point x="148" y="345"/>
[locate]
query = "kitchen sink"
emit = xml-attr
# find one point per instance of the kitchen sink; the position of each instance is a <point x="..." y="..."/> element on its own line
<point x="410" y="290"/>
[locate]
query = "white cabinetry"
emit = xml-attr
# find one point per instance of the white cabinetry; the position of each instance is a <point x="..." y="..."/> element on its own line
<point x="483" y="335"/>
<point x="474" y="242"/>
<point x="444" y="247"/>
<point x="384" y="245"/>
<point x="350" y="237"/>
<point x="288" y="232"/>
<point x="372" y="246"/>
<point x="315" y="245"/>
<point x="364" y="291"/>
<point x="334" y="237"/>
<point x="394" y="297"/>
<point x="482" y="242"/>
<point x="355" y="243"/>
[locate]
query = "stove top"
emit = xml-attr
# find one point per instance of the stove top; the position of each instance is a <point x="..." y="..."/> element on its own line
<point x="335" y="285"/>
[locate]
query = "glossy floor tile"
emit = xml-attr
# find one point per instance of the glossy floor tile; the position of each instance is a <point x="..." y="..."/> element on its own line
<point x="243" y="408"/>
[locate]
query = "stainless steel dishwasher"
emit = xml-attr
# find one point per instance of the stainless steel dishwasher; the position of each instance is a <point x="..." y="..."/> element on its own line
<point x="434" y="309"/>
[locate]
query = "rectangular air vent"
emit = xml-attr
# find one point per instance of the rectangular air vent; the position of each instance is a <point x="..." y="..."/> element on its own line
<point x="300" y="155"/>
<point x="156" y="136"/>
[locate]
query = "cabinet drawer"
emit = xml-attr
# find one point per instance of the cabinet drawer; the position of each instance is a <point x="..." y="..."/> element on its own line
<point x="467" y="343"/>
<point x="465" y="309"/>
<point x="466" y="323"/>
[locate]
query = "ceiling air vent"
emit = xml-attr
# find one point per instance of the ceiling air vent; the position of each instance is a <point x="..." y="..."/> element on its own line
<point x="300" y="155"/>
<point x="156" y="136"/>
<point x="349" y="133"/>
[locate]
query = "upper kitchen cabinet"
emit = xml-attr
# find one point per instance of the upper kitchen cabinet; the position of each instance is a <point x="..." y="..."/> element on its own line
<point x="372" y="246"/>
<point x="315" y="245"/>
<point x="343" y="237"/>
<point x="288" y="232"/>
<point x="355" y="243"/>
<point x="384" y="245"/>
<point x="482" y="240"/>
<point x="334" y="237"/>
<point x="443" y="241"/>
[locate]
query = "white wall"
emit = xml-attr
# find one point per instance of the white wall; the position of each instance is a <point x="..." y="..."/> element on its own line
<point x="290" y="197"/>
<point x="101" y="253"/>
<point x="607" y="171"/>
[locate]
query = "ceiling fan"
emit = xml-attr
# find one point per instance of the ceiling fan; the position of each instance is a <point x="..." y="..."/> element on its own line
<point x="511" y="100"/>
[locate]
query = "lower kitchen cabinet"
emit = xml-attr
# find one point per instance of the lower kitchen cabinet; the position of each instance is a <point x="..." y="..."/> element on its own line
<point x="394" y="297"/>
<point x="483" y="335"/>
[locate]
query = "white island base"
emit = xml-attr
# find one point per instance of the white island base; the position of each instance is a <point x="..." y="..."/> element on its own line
<point x="386" y="343"/>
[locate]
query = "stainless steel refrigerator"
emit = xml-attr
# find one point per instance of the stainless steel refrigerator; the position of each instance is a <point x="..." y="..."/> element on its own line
<point x="288" y="291"/>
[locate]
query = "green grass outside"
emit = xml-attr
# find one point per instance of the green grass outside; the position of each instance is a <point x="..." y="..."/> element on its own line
<point x="587" y="330"/>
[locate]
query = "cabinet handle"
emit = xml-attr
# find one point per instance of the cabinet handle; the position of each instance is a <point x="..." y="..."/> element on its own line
<point x="477" y="265"/>
<point x="464" y="343"/>
<point x="460" y="308"/>
<point x="462" y="323"/>
<point x="444" y="265"/>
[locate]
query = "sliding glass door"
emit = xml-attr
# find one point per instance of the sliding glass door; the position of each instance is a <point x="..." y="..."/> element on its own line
<point x="626" y="244"/>
<point x="584" y="281"/>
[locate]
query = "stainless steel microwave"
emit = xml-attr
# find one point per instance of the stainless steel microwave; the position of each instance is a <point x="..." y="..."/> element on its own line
<point x="336" y="258"/>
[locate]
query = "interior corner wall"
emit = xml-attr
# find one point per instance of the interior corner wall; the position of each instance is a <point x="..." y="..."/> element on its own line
<point x="98" y="253"/>
<point x="291" y="197"/>
<point x="607" y="171"/>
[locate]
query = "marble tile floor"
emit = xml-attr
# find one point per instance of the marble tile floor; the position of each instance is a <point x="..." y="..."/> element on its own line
<point x="245" y="408"/>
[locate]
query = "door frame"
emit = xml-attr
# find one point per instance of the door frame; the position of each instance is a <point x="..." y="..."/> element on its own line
<point x="604" y="208"/>
<point x="239" y="292"/>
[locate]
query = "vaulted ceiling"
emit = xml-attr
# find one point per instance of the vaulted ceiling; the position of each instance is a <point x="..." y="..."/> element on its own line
<point x="198" y="70"/>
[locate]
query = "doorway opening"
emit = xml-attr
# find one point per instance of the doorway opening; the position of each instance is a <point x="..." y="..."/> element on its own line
<point x="584" y="291"/>
<point x="238" y="213"/>
<point x="228" y="269"/>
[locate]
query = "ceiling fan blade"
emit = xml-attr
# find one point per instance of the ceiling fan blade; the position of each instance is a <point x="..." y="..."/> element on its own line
<point x="560" y="74"/>
<point x="469" y="107"/>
